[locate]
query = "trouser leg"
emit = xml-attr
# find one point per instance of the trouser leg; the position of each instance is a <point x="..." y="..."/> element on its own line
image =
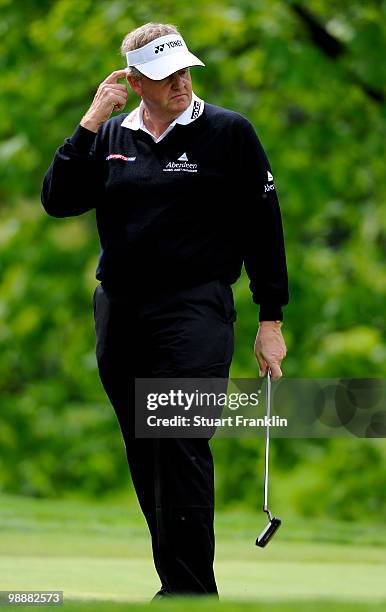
<point x="191" y="335"/>
<point x="118" y="358"/>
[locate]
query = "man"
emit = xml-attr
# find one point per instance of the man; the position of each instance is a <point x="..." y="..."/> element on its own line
<point x="183" y="194"/>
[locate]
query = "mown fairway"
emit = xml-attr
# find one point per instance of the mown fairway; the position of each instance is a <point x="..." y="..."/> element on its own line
<point x="102" y="552"/>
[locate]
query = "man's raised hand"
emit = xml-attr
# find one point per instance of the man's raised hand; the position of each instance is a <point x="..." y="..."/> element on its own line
<point x="110" y="97"/>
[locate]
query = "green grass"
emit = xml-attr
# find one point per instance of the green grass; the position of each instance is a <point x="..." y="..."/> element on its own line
<point x="99" y="555"/>
<point x="197" y="605"/>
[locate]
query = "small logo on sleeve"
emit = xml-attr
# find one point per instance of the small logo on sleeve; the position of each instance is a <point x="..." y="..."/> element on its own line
<point x="119" y="156"/>
<point x="270" y="185"/>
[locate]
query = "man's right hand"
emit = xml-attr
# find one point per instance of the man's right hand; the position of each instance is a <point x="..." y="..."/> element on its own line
<point x="110" y="96"/>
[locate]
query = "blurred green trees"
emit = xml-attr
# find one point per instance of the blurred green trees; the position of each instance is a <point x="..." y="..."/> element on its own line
<point x="311" y="78"/>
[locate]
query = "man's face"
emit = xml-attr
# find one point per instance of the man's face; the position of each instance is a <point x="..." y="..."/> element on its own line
<point x="167" y="98"/>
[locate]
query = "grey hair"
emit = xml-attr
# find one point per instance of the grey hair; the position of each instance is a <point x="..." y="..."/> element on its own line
<point x="141" y="36"/>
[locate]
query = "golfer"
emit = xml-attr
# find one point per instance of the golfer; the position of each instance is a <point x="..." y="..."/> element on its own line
<point x="184" y="196"/>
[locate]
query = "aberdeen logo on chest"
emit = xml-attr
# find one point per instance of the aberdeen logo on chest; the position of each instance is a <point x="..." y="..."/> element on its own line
<point x="181" y="165"/>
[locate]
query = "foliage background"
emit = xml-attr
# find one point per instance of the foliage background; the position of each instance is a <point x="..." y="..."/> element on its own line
<point x="310" y="76"/>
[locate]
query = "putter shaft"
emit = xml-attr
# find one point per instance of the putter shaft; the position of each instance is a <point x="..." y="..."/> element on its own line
<point x="274" y="522"/>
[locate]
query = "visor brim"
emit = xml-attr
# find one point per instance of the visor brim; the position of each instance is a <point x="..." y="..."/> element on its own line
<point x="163" y="67"/>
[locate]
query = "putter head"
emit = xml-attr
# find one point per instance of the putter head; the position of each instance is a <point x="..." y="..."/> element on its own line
<point x="268" y="532"/>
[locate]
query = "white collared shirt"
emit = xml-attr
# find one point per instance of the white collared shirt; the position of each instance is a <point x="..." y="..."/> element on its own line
<point x="134" y="120"/>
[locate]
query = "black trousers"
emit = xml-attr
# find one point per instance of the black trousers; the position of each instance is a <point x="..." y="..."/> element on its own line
<point x="168" y="334"/>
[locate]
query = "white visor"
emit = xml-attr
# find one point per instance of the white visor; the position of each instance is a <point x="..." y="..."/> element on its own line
<point x="162" y="56"/>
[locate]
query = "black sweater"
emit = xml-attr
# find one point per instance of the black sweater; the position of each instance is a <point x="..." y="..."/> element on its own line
<point x="167" y="222"/>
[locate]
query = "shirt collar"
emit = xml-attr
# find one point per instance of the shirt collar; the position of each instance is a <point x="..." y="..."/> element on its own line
<point x="134" y="120"/>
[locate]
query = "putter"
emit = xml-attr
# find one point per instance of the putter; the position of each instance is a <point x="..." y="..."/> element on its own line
<point x="274" y="522"/>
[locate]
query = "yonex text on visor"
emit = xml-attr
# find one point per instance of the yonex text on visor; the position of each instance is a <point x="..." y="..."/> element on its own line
<point x="162" y="56"/>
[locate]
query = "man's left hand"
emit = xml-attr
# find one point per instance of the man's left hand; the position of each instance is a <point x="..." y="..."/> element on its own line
<point x="270" y="348"/>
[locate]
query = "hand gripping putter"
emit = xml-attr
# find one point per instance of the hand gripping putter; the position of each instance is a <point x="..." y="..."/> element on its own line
<point x="274" y="522"/>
